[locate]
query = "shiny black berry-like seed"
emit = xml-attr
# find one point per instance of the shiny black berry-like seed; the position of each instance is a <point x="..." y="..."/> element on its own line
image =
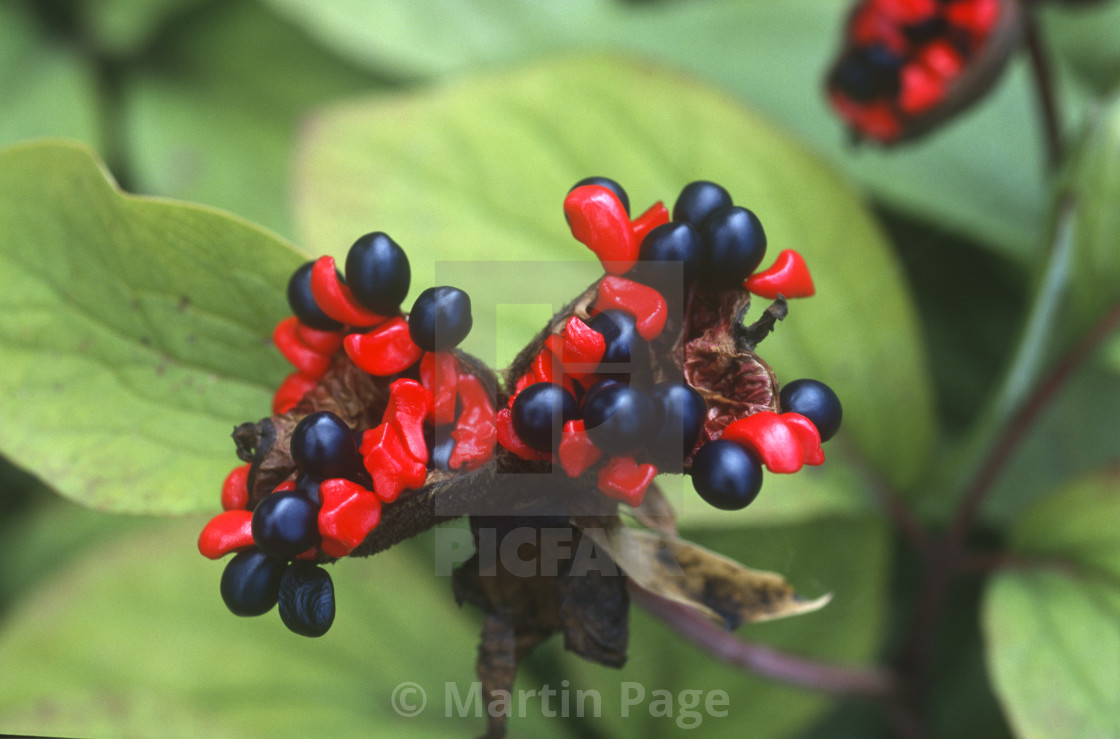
<point x="251" y="581"/>
<point x="621" y="333"/>
<point x="698" y="200"/>
<point x="675" y="241"/>
<point x="378" y="273"/>
<point x="540" y="412"/>
<point x="619" y="419"/>
<point x="817" y="402"/>
<point x="285" y="524"/>
<point x="306" y="599"/>
<point x="303" y="304"/>
<point x="726" y="475"/>
<point x="680" y="415"/>
<point x="610" y="185"/>
<point x="308" y="487"/>
<point x="440" y="446"/>
<point x="323" y="446"/>
<point x="736" y="244"/>
<point x="440" y="318"/>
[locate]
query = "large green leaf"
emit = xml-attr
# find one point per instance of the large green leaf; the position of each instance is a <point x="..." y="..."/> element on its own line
<point x="1086" y="36"/>
<point x="983" y="174"/>
<point x="134" y="641"/>
<point x="213" y="118"/>
<point x="817" y="557"/>
<point x="122" y="27"/>
<point x="134" y="333"/>
<point x="1053" y="627"/>
<point x="47" y="88"/>
<point x="478" y="170"/>
<point x="1094" y="192"/>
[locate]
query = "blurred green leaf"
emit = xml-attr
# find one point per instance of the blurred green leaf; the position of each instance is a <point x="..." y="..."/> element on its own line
<point x="1094" y="189"/>
<point x="816" y="557"/>
<point x="1053" y="629"/>
<point x="134" y="640"/>
<point x="135" y="333"/>
<point x="983" y="174"/>
<point x="1086" y="37"/>
<point x="122" y="27"/>
<point x="213" y="117"/>
<point x="478" y="171"/>
<point x="46" y="87"/>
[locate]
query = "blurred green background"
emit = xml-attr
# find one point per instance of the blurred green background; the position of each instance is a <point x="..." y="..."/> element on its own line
<point x="304" y="116"/>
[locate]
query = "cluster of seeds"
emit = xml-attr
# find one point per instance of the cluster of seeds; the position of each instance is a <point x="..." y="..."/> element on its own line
<point x="904" y="57"/>
<point x="442" y="420"/>
<point x="589" y="402"/>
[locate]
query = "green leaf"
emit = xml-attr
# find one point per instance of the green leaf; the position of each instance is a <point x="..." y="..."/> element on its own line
<point x="478" y="170"/>
<point x="214" y="119"/>
<point x="1086" y="38"/>
<point x="122" y="27"/>
<point x="134" y="334"/>
<point x="135" y="640"/>
<point x="816" y="557"/>
<point x="1094" y="191"/>
<point x="47" y="88"/>
<point x="1053" y="625"/>
<point x="432" y="37"/>
<point x="983" y="174"/>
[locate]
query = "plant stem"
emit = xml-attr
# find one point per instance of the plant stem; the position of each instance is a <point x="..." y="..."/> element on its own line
<point x="830" y="678"/>
<point x="1044" y="87"/>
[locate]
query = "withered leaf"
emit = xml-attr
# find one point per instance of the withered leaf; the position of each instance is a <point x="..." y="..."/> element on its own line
<point x="723" y="590"/>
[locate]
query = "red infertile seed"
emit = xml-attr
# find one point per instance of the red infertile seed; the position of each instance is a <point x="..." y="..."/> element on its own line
<point x="577" y="452"/>
<point x="347" y="514"/>
<point x="235" y="488"/>
<point x="439" y="373"/>
<point x="309" y="362"/>
<point x="409" y="404"/>
<point x="386" y="350"/>
<point x="508" y="438"/>
<point x="226" y="532"/>
<point x="335" y="298"/>
<point x="768" y="436"/>
<point x="624" y="479"/>
<point x="291" y="392"/>
<point x="389" y="463"/>
<point x="598" y="221"/>
<point x="807" y="434"/>
<point x="789" y="277"/>
<point x="641" y="301"/>
<point x="475" y="433"/>
<point x="654" y="216"/>
<point x="922" y="89"/>
<point x="324" y="342"/>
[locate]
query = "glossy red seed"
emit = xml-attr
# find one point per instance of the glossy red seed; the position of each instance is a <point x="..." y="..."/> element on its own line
<point x="235" y="489"/>
<point x="475" y="433"/>
<point x="808" y="435"/>
<point x="439" y="373"/>
<point x="291" y="392"/>
<point x="508" y="438"/>
<point x="576" y="451"/>
<point x="583" y="349"/>
<point x="334" y="298"/>
<point x="599" y="221"/>
<point x="409" y="404"/>
<point x="768" y="436"/>
<point x="942" y="58"/>
<point x="624" y="479"/>
<point x="788" y="276"/>
<point x="386" y="350"/>
<point x="922" y="89"/>
<point x="229" y="531"/>
<point x="389" y="463"/>
<point x="906" y="12"/>
<point x="324" y="342"/>
<point x="869" y="27"/>
<point x="654" y="216"/>
<point x="347" y="514"/>
<point x="308" y="362"/>
<point x="978" y="17"/>
<point x="641" y="301"/>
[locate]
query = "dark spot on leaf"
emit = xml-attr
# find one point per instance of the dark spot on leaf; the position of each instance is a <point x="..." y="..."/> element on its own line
<point x="184" y="303"/>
